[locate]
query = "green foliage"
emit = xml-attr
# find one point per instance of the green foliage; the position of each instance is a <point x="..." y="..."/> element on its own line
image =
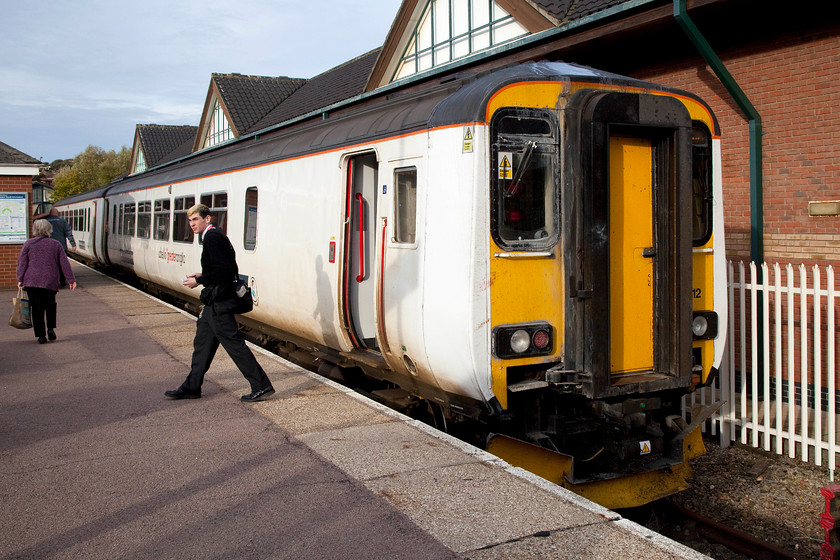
<point x="56" y="165"/>
<point x="92" y="168"/>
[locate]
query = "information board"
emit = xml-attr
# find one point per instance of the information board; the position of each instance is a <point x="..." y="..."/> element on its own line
<point x="14" y="218"/>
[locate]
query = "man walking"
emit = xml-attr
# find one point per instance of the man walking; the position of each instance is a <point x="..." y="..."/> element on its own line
<point x="61" y="230"/>
<point x="216" y="323"/>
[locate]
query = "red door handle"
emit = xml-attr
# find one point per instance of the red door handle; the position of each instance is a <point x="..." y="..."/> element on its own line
<point x="361" y="275"/>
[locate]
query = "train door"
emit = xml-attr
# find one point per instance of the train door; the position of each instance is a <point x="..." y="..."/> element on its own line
<point x="631" y="253"/>
<point x="103" y="225"/>
<point x="360" y="250"/>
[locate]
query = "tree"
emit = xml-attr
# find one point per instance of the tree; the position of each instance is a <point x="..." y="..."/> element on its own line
<point x="92" y="168"/>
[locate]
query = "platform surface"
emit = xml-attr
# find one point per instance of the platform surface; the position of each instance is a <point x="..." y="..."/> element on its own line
<point x="96" y="463"/>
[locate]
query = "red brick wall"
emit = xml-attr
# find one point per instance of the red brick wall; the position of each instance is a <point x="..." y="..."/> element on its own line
<point x="9" y="253"/>
<point x="793" y="84"/>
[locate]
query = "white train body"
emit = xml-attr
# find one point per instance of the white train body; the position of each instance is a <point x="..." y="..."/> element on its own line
<point x="380" y="237"/>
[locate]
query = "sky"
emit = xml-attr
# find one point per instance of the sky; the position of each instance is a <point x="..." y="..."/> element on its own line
<point x="74" y="74"/>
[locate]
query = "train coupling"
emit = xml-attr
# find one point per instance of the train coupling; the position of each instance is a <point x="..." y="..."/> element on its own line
<point x="567" y="380"/>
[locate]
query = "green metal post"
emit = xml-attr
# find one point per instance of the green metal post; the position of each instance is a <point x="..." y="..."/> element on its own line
<point x="756" y="179"/>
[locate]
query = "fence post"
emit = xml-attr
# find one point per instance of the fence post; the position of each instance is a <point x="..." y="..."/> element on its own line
<point x="817" y="370"/>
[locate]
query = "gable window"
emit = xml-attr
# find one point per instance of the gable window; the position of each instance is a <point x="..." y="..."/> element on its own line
<point x="139" y="162"/>
<point x="218" y="129"/>
<point x="452" y="29"/>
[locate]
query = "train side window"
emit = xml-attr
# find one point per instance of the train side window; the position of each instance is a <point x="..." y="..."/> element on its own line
<point x="525" y="211"/>
<point x="217" y="203"/>
<point x="121" y="220"/>
<point x="405" y="205"/>
<point x="251" y="205"/>
<point x="701" y="206"/>
<point x="144" y="219"/>
<point x="162" y="218"/>
<point x="181" y="231"/>
<point x="129" y="218"/>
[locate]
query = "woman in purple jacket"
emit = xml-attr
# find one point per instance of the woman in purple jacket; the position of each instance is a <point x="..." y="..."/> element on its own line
<point x="38" y="268"/>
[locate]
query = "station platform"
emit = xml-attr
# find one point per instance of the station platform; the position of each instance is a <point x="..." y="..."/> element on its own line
<point x="96" y="463"/>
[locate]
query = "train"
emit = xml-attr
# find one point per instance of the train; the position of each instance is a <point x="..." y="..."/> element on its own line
<point x="532" y="255"/>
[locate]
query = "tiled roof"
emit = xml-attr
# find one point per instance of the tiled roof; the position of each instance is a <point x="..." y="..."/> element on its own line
<point x="249" y="98"/>
<point x="161" y="143"/>
<point x="11" y="156"/>
<point x="337" y="84"/>
<point x="570" y="10"/>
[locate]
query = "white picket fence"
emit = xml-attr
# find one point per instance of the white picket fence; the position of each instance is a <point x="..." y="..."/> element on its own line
<point x="780" y="357"/>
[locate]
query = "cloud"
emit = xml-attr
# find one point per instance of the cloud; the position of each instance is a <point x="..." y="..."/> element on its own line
<point x="80" y="73"/>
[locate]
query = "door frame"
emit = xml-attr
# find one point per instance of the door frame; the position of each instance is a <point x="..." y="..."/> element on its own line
<point x="592" y="117"/>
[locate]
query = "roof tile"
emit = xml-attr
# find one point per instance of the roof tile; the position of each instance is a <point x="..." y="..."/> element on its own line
<point x="340" y="83"/>
<point x="9" y="155"/>
<point x="249" y="98"/>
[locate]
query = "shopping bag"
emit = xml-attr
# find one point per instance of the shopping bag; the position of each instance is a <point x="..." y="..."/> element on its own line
<point x="21" y="315"/>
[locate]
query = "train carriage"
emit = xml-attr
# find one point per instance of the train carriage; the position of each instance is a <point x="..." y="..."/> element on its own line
<point x="533" y="250"/>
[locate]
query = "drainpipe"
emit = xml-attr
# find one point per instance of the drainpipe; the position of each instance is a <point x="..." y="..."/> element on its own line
<point x="756" y="190"/>
<point x="756" y="180"/>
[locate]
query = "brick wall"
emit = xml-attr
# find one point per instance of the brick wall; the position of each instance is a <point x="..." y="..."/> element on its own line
<point x="792" y="82"/>
<point x="9" y="253"/>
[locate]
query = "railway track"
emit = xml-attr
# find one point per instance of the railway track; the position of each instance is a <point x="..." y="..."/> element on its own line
<point x="698" y="531"/>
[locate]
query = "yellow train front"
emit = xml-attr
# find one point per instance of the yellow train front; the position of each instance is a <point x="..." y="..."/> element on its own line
<point x="606" y="250"/>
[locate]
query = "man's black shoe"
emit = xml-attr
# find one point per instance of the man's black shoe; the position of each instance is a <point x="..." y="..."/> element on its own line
<point x="259" y="395"/>
<point x="183" y="394"/>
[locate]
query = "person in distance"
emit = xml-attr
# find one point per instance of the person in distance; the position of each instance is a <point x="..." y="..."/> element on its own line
<point x="41" y="265"/>
<point x="216" y="323"/>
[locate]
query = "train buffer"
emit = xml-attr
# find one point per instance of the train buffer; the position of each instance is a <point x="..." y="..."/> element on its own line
<point x="96" y="463"/>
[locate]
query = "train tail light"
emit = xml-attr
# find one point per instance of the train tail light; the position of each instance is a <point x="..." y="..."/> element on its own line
<point x="522" y="340"/>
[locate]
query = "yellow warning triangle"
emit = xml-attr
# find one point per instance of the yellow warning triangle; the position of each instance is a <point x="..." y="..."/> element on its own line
<point x="645" y="448"/>
<point x="468" y="135"/>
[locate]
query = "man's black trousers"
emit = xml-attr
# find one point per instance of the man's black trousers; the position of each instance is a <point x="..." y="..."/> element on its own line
<point x="211" y="330"/>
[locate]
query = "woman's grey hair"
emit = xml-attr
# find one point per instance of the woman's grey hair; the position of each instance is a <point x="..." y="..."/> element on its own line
<point x="42" y="227"/>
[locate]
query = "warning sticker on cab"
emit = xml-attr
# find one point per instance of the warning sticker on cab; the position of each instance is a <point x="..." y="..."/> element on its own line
<point x="505" y="165"/>
<point x="644" y="447"/>
<point x="468" y="140"/>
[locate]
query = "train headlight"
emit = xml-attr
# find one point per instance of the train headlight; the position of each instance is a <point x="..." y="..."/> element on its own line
<point x="699" y="326"/>
<point x="522" y="340"/>
<point x="704" y="326"/>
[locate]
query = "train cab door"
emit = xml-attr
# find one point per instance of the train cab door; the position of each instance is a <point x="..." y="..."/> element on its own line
<point x="360" y="251"/>
<point x="632" y="306"/>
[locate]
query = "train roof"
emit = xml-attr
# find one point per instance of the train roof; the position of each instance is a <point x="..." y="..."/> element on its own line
<point x="459" y="99"/>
